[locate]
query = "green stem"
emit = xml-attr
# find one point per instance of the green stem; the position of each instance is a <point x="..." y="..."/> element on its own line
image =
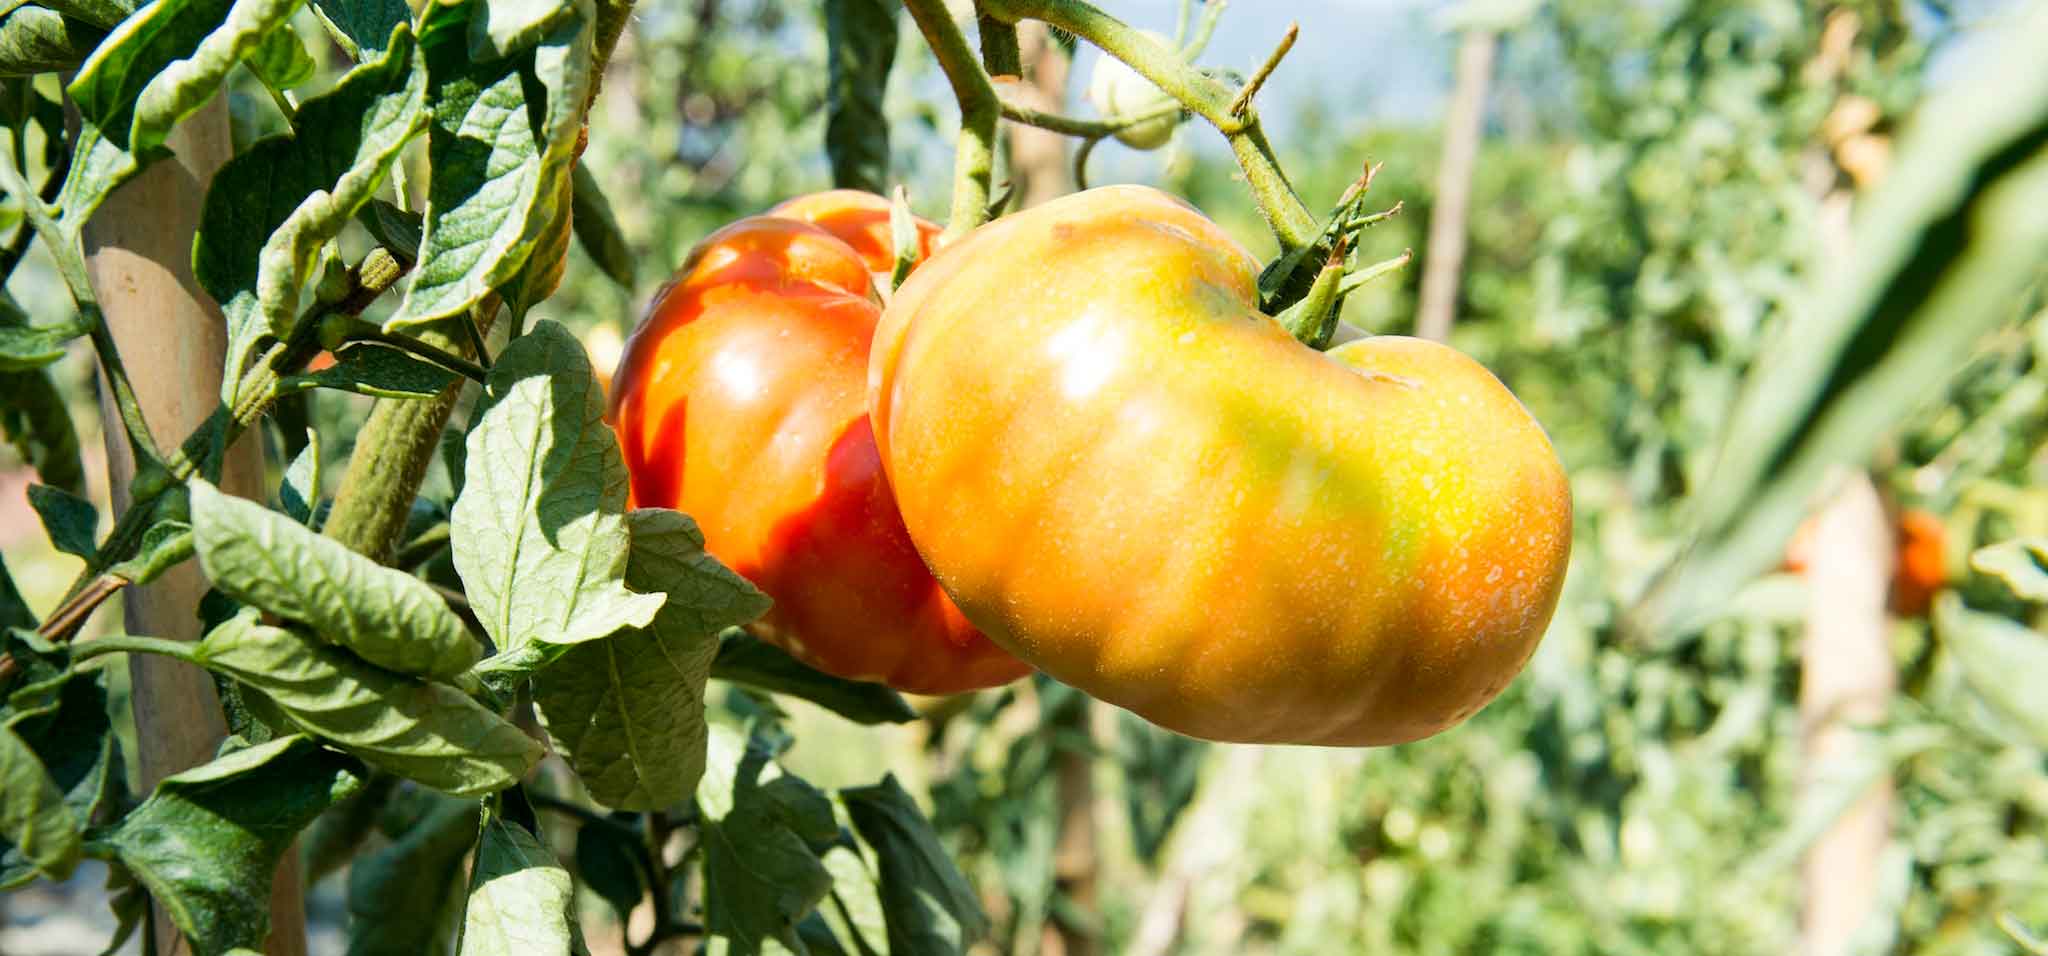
<point x="423" y="350"/>
<point x="123" y="392"/>
<point x="1212" y="14"/>
<point x="133" y="644"/>
<point x="375" y="501"/>
<point x="1083" y="128"/>
<point x="999" y="50"/>
<point x="1243" y="100"/>
<point x="195" y="455"/>
<point x="1208" y="98"/>
<point x="974" y="157"/>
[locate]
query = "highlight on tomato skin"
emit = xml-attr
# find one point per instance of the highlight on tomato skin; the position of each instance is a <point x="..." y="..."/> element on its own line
<point x="1127" y="475"/>
<point x="740" y="400"/>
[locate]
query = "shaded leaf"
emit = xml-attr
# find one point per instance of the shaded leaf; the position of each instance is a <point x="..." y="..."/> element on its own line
<point x="384" y="615"/>
<point x="377" y="370"/>
<point x="362" y="27"/>
<point x="72" y="522"/>
<point x="14" y="609"/>
<point x="1160" y="769"/>
<point x="628" y="712"/>
<point x="539" y="532"/>
<point x="607" y="860"/>
<point x="860" y="46"/>
<point x="394" y="228"/>
<point x="272" y="209"/>
<point x="541" y="275"/>
<point x="208" y="840"/>
<point x="37" y="422"/>
<point x="34" y="823"/>
<point x="35" y="39"/>
<point x="404" y="899"/>
<point x="762" y="832"/>
<point x="300" y="491"/>
<point x="423" y="731"/>
<point x="100" y="13"/>
<point x="928" y="904"/>
<point x="745" y="659"/>
<point x="597" y="229"/>
<point x="497" y="178"/>
<point x="519" y="898"/>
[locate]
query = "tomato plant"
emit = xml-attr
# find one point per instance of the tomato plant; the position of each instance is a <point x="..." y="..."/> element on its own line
<point x="741" y="401"/>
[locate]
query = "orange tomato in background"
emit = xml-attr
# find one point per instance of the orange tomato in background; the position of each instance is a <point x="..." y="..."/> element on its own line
<point x="740" y="401"/>
<point x="1920" y="563"/>
<point x="1131" y="478"/>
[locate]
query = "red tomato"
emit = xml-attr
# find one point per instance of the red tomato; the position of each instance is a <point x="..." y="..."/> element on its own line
<point x="740" y="401"/>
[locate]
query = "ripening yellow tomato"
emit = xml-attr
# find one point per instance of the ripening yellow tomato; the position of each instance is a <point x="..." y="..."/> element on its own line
<point x="1131" y="478"/>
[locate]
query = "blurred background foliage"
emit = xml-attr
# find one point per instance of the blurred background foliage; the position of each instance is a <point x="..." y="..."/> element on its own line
<point x="1648" y="207"/>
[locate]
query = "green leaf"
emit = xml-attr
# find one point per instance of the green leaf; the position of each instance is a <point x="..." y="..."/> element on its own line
<point x="762" y="832"/>
<point x="2002" y="661"/>
<point x="207" y="842"/>
<point x="281" y="60"/>
<point x="386" y="616"/>
<point x="1160" y="770"/>
<point x="860" y="46"/>
<point x="856" y="915"/>
<point x="37" y="422"/>
<point x="34" y="821"/>
<point x="163" y="63"/>
<point x="1943" y="248"/>
<point x="362" y="27"/>
<point x="273" y="209"/>
<point x="100" y="13"/>
<point x="744" y="659"/>
<point x="497" y="178"/>
<point x="542" y="273"/>
<point x="300" y="491"/>
<point x="378" y="370"/>
<point x="501" y="28"/>
<point x="25" y="347"/>
<point x="423" y="731"/>
<point x="607" y="861"/>
<point x="393" y="228"/>
<point x="519" y="899"/>
<point x="98" y="166"/>
<point x="2022" y="564"/>
<point x="538" y="531"/>
<point x="597" y="230"/>
<point x="34" y="39"/>
<point x="928" y="904"/>
<point x="404" y="899"/>
<point x="166" y="542"/>
<point x="628" y="712"/>
<point x="14" y="609"/>
<point x="72" y="522"/>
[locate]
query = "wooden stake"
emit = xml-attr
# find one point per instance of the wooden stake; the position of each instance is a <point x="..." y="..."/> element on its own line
<point x="173" y="340"/>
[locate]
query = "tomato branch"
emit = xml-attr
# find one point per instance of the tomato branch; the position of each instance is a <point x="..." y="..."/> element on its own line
<point x="196" y="455"/>
<point x="1203" y="94"/>
<point x="974" y="157"/>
